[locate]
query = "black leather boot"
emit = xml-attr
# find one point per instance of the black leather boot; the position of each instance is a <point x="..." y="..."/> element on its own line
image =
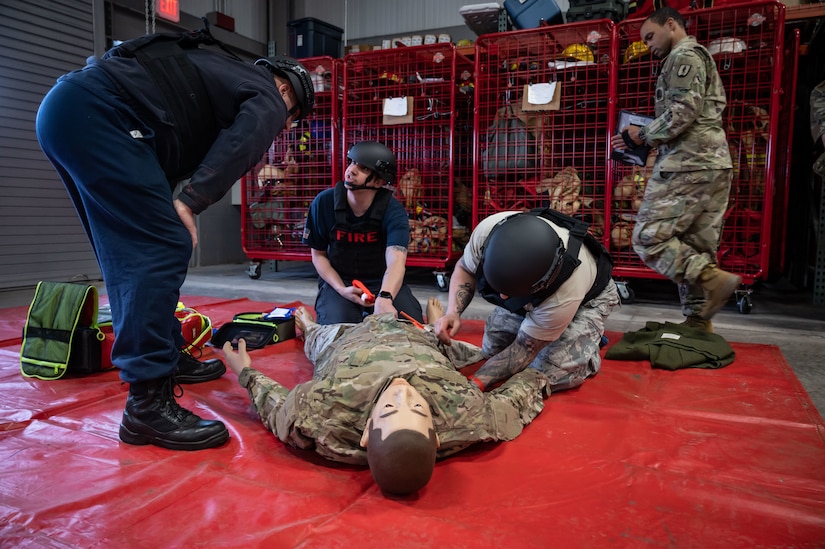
<point x="192" y="370"/>
<point x="152" y="416"/>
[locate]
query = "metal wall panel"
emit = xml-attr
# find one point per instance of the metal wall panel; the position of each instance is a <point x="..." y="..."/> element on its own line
<point x="368" y="18"/>
<point x="249" y="15"/>
<point x="41" y="237"/>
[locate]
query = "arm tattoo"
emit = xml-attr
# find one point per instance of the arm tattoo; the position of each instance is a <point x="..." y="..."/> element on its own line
<point x="402" y="249"/>
<point x="464" y="296"/>
<point x="511" y="360"/>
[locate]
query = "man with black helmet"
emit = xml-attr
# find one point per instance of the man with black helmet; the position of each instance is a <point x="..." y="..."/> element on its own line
<point x="121" y="133"/>
<point x="552" y="287"/>
<point x="359" y="231"/>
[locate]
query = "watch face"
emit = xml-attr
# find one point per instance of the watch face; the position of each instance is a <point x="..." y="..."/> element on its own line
<point x="385" y="294"/>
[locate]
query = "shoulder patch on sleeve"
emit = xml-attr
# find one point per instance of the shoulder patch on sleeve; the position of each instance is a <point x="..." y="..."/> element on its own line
<point x="683" y="70"/>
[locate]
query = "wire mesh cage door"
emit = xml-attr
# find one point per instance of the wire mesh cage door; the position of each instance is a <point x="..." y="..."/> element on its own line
<point x="301" y="162"/>
<point x="746" y="42"/>
<point x="418" y="101"/>
<point x="542" y="120"/>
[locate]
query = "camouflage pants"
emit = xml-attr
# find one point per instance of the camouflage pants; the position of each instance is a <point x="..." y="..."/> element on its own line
<point x="319" y="348"/>
<point x="678" y="227"/>
<point x="572" y="358"/>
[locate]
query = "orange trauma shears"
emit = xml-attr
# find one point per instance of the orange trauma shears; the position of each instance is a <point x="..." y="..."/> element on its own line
<point x="411" y="319"/>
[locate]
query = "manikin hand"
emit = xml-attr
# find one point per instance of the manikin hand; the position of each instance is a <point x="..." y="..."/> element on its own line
<point x="239" y="360"/>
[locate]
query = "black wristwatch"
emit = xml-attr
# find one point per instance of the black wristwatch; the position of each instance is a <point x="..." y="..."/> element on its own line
<point x="385" y="294"/>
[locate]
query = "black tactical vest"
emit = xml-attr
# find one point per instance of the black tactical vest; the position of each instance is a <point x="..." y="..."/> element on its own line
<point x="569" y="262"/>
<point x="164" y="58"/>
<point x="357" y="250"/>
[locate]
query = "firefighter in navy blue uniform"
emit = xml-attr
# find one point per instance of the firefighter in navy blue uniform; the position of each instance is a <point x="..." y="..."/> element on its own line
<point x="121" y="133"/>
<point x="359" y="231"/>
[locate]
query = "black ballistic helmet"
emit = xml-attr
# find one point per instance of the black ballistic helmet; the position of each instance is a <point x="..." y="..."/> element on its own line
<point x="375" y="156"/>
<point x="298" y="77"/>
<point x="521" y="255"/>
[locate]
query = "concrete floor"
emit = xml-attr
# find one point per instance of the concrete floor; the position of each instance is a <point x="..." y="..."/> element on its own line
<point x="781" y="315"/>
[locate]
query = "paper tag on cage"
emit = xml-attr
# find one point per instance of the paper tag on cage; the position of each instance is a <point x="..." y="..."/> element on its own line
<point x="541" y="94"/>
<point x="395" y="106"/>
<point x="398" y="110"/>
<point x="541" y="97"/>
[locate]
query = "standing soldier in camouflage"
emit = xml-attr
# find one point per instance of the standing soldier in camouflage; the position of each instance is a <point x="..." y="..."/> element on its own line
<point x="390" y="387"/>
<point x="679" y="222"/>
<point x="818" y="126"/>
<point x="551" y="283"/>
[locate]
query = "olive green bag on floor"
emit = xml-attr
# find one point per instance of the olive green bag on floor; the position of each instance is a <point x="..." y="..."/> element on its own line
<point x="61" y="332"/>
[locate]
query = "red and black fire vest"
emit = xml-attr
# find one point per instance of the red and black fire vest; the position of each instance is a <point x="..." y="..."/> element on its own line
<point x="357" y="249"/>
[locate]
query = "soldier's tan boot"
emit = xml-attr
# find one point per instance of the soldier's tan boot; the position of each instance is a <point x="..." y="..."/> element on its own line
<point x="718" y="285"/>
<point x="698" y="323"/>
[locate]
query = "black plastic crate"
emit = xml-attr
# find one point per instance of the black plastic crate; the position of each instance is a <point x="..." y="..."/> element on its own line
<point x="310" y="37"/>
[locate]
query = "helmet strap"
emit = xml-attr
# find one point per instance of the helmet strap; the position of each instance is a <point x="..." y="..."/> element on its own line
<point x="353" y="187"/>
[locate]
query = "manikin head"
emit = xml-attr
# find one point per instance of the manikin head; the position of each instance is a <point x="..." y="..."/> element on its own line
<point x="400" y="439"/>
<point x="663" y="30"/>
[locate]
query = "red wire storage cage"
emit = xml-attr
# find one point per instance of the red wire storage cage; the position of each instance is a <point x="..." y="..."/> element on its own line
<point x="302" y="161"/>
<point x="746" y="41"/>
<point x="418" y="101"/>
<point x="784" y="153"/>
<point x="543" y="120"/>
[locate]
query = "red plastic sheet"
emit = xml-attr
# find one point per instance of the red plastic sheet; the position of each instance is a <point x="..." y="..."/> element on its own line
<point x="635" y="457"/>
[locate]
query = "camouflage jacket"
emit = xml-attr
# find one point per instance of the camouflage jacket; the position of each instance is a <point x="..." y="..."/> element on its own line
<point x="690" y="99"/>
<point x="353" y="365"/>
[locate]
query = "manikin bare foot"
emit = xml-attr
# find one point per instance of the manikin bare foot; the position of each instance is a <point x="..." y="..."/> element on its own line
<point x="434" y="310"/>
<point x="303" y="319"/>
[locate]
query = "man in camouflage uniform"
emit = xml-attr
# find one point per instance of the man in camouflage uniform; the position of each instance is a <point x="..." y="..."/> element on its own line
<point x="355" y="365"/>
<point x="679" y="222"/>
<point x="818" y="125"/>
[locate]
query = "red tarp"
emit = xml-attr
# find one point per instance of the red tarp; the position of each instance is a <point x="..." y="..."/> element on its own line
<point x="635" y="457"/>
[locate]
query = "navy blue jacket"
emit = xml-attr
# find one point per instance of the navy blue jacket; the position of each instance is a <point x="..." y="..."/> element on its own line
<point x="248" y="110"/>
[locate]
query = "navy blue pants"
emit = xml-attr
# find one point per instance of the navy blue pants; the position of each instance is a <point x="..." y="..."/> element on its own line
<point x="331" y="308"/>
<point x="105" y="156"/>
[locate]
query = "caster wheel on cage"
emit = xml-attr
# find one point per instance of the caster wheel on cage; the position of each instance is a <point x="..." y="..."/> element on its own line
<point x="626" y="293"/>
<point x="254" y="271"/>
<point x="442" y="280"/>
<point x="745" y="304"/>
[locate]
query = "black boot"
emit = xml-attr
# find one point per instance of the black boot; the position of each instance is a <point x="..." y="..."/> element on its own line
<point x="152" y="416"/>
<point x="192" y="370"/>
